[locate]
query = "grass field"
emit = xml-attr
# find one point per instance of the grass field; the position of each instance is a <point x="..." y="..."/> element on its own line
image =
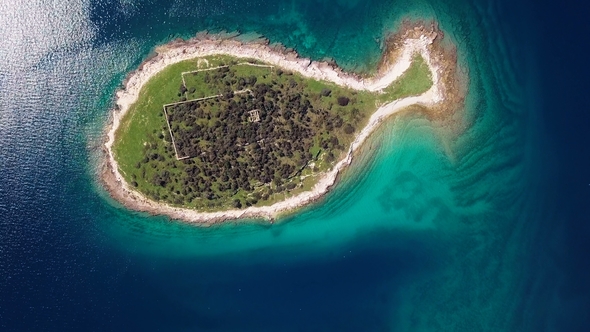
<point x="416" y="80"/>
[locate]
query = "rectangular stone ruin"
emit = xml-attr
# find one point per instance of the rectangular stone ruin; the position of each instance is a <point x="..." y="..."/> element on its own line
<point x="254" y="116"/>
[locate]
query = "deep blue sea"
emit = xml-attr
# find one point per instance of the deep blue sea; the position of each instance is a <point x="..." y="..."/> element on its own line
<point x="429" y="230"/>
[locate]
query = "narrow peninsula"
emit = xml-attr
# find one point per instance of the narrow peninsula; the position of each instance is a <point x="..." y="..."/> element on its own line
<point x="214" y="128"/>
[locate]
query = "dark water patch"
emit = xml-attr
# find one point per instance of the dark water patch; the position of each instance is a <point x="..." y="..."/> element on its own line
<point x="564" y="87"/>
<point x="235" y="294"/>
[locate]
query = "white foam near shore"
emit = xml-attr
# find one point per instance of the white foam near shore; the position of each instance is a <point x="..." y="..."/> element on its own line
<point x="289" y="61"/>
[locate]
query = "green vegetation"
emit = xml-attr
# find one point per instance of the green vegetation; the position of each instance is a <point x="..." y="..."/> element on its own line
<point x="414" y="81"/>
<point x="228" y="156"/>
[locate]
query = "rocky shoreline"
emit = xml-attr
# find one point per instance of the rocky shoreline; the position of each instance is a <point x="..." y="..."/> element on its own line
<point x="397" y="58"/>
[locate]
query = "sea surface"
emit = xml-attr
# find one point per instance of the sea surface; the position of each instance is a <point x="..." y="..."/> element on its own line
<point x="433" y="228"/>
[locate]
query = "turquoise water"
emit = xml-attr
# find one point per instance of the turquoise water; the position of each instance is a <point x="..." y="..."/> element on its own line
<point x="434" y="227"/>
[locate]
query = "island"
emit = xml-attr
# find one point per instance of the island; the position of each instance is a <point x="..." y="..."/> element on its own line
<point x="214" y="128"/>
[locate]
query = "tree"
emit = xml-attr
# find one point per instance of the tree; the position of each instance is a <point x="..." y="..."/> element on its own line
<point x="343" y="101"/>
<point x="348" y="129"/>
<point x="355" y="113"/>
<point x="237" y="203"/>
<point x="330" y="157"/>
